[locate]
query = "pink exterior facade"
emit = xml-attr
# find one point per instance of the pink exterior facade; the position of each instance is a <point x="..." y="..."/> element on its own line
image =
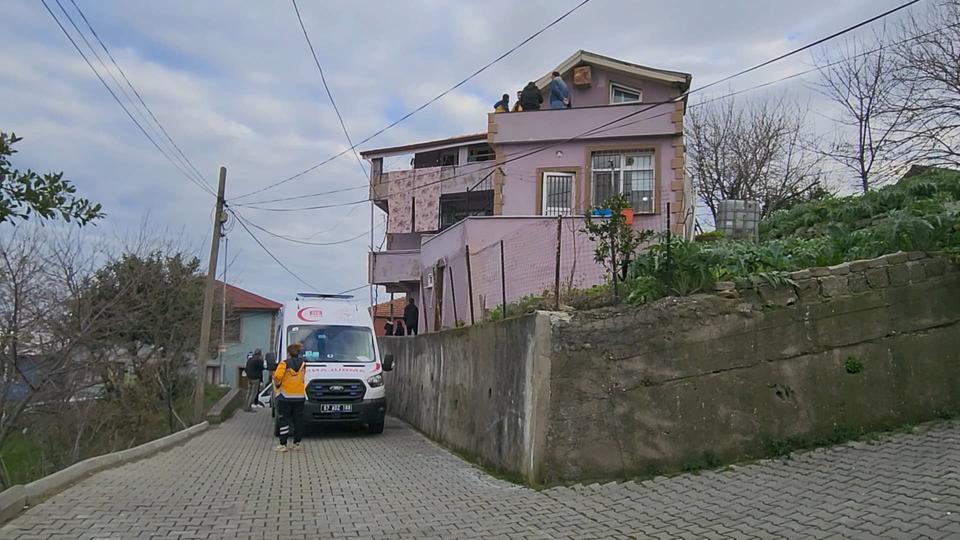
<point x="524" y="154"/>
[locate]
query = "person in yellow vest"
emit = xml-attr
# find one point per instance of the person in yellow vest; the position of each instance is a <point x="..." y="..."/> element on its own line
<point x="288" y="384"/>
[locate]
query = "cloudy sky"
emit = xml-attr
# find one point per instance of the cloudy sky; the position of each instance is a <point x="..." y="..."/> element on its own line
<point x="234" y="85"/>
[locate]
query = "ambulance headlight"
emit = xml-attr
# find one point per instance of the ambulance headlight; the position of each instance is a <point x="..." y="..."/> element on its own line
<point x="376" y="380"/>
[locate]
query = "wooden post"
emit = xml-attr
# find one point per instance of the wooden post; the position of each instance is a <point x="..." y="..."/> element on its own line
<point x="466" y="250"/>
<point x="503" y="281"/>
<point x="203" y="350"/>
<point x="453" y="296"/>
<point x="556" y="278"/>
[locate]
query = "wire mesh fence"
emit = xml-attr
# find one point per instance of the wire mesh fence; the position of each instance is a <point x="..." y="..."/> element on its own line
<point x="544" y="261"/>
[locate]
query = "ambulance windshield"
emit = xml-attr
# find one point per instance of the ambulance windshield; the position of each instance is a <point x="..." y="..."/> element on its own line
<point x="331" y="343"/>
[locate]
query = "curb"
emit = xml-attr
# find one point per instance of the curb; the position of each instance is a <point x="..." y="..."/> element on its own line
<point x="224" y="408"/>
<point x="14" y="499"/>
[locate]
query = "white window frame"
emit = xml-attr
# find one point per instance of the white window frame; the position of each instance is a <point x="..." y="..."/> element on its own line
<point x="543" y="193"/>
<point x="619" y="172"/>
<point x="625" y="88"/>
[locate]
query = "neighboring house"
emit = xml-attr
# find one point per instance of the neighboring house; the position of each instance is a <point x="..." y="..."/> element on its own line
<point x="251" y="326"/>
<point x="622" y="134"/>
<point x="387" y="311"/>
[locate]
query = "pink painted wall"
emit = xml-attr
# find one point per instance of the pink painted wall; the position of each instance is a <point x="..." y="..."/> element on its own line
<point x="529" y="261"/>
<point x="520" y="183"/>
<point x="598" y="93"/>
<point x="562" y="124"/>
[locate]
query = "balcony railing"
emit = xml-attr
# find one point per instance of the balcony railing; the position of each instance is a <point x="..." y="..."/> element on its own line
<point x="561" y="124"/>
<point x="475" y="176"/>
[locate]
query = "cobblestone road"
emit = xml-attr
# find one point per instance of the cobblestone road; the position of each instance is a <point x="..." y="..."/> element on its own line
<point x="227" y="483"/>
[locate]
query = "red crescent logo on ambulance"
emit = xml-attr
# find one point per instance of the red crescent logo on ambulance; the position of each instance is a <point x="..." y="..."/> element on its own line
<point x="310" y="314"/>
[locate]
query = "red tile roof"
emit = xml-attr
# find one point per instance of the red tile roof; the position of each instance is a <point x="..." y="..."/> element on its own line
<point x="383" y="310"/>
<point x="247" y="301"/>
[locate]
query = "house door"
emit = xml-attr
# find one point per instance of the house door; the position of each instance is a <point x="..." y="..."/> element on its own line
<point x="557" y="194"/>
<point x="241" y="377"/>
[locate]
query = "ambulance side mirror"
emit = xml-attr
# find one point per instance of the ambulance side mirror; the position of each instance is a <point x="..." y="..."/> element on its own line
<point x="388" y="362"/>
<point x="271" y="360"/>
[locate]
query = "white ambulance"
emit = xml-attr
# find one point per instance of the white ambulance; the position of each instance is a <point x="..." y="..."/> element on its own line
<point x="344" y="379"/>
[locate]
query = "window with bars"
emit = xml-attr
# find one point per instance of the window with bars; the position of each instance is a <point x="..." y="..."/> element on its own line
<point x="557" y="194"/>
<point x="628" y="172"/>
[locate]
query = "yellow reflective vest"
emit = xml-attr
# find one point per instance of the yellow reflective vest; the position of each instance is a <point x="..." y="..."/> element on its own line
<point x="288" y="383"/>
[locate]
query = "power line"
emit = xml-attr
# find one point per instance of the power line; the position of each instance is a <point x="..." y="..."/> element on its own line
<point x="600" y="128"/>
<point x="306" y="242"/>
<point x="133" y="88"/>
<point x="333" y="102"/>
<point x="318" y="207"/>
<point x="264" y="248"/>
<point x="120" y="102"/>
<point x="307" y="196"/>
<point x="421" y="107"/>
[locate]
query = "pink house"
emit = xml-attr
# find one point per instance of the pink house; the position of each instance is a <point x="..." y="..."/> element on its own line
<point x="623" y="133"/>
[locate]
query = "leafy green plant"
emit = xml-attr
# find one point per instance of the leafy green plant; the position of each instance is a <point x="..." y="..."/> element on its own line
<point x="616" y="241"/>
<point x="853" y="366"/>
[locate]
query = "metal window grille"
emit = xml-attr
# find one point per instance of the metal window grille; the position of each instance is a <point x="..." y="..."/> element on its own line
<point x="628" y="172"/>
<point x="557" y="194"/>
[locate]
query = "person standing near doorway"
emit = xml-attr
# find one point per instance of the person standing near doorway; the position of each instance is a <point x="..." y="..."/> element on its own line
<point x="254" y="372"/>
<point x="289" y="383"/>
<point x="411" y="317"/>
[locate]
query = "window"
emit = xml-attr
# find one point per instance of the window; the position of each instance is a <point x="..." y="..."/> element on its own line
<point x="557" y="190"/>
<point x="628" y="172"/>
<point x="623" y="94"/>
<point x="333" y="343"/>
<point x="480" y="152"/>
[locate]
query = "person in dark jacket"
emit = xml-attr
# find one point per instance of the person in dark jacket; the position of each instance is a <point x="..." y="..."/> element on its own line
<point x="411" y="317"/>
<point x="503" y="105"/>
<point x="398" y="328"/>
<point x="254" y="372"/>
<point x="530" y="97"/>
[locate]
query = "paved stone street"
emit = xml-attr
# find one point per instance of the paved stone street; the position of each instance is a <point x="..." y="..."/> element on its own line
<point x="227" y="483"/>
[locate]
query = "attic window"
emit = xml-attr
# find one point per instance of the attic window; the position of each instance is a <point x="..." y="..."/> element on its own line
<point x="624" y="94"/>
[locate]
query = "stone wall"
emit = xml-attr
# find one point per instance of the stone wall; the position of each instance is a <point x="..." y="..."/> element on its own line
<point x="627" y="391"/>
<point x="477" y="390"/>
<point x="716" y="378"/>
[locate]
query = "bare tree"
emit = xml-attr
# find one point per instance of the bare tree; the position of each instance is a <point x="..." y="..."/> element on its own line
<point x="928" y="58"/>
<point x="757" y="152"/>
<point x="860" y="77"/>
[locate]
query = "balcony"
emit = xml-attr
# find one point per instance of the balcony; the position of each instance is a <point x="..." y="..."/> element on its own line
<point x="475" y="177"/>
<point x="561" y="124"/>
<point x="395" y="267"/>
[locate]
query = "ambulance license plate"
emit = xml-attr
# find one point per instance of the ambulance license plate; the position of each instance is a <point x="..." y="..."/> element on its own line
<point x="336" y="408"/>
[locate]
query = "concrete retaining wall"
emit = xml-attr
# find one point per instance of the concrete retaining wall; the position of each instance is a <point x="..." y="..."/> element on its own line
<point x="627" y="391"/>
<point x="479" y="391"/>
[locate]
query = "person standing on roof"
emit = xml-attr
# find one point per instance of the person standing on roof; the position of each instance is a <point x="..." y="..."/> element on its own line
<point x="254" y="372"/>
<point x="503" y="105"/>
<point x="530" y="97"/>
<point x="516" y="105"/>
<point x="559" y="93"/>
<point x="288" y="382"/>
<point x="411" y="317"/>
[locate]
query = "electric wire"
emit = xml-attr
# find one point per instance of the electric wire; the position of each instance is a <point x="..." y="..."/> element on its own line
<point x="136" y="92"/>
<point x="121" y="104"/>
<point x="421" y="107"/>
<point x="615" y="122"/>
<point x="272" y="256"/>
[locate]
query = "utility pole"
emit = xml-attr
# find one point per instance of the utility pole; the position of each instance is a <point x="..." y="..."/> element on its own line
<point x="203" y="350"/>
